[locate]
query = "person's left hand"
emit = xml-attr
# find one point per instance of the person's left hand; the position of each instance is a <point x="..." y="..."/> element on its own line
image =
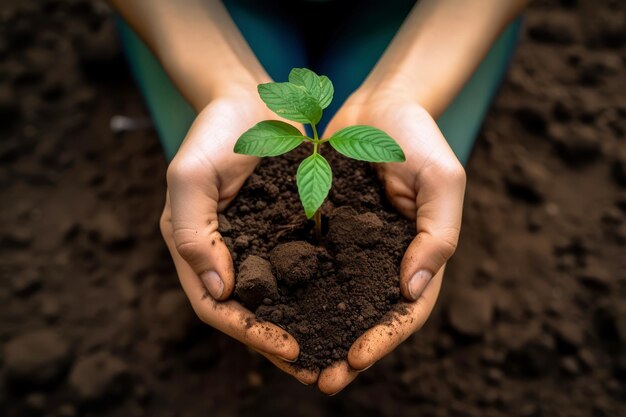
<point x="428" y="187"/>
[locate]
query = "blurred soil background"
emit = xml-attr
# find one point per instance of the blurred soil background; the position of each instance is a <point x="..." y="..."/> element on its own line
<point x="532" y="317"/>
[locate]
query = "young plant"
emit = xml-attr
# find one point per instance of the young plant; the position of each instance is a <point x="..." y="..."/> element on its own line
<point x="302" y="99"/>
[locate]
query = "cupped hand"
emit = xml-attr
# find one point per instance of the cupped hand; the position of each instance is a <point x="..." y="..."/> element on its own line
<point x="429" y="188"/>
<point x="204" y="176"/>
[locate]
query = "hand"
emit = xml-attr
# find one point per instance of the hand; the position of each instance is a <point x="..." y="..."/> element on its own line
<point x="203" y="178"/>
<point x="429" y="188"/>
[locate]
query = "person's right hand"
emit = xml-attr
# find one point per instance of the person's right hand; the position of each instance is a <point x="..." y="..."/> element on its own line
<point x="204" y="176"/>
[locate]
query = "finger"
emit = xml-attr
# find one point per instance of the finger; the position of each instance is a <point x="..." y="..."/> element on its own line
<point x="336" y="377"/>
<point x="384" y="337"/>
<point x="305" y="376"/>
<point x="439" y="208"/>
<point x="230" y="317"/>
<point x="193" y="198"/>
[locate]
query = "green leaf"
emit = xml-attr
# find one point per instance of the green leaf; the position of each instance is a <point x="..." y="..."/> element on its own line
<point x="291" y="101"/>
<point x="269" y="138"/>
<point x="327" y="93"/>
<point x="319" y="87"/>
<point x="307" y="79"/>
<point x="367" y="143"/>
<point x="314" y="179"/>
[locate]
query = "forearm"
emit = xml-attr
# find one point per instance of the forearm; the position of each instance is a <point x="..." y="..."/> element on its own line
<point x="198" y="44"/>
<point x="439" y="46"/>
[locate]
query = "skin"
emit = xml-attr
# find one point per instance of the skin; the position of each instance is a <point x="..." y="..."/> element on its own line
<point x="431" y="57"/>
<point x="427" y="188"/>
<point x="202" y="179"/>
<point x="429" y="60"/>
<point x="205" y="175"/>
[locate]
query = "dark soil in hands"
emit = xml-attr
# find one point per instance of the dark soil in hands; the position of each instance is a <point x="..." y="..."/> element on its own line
<point x="325" y="295"/>
<point x="531" y="318"/>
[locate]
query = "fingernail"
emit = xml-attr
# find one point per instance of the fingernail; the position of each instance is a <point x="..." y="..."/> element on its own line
<point x="213" y="283"/>
<point x="418" y="282"/>
<point x="288" y="360"/>
<point x="366" y="368"/>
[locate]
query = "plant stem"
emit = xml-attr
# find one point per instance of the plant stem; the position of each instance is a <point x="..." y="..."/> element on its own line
<point x="314" y="131"/>
<point x="317" y="217"/>
<point x="318" y="226"/>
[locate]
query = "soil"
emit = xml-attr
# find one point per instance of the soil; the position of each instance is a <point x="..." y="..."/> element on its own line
<point x="531" y="319"/>
<point x="329" y="292"/>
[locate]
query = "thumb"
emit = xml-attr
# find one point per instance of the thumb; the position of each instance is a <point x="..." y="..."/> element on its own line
<point x="194" y="227"/>
<point x="424" y="257"/>
<point x="439" y="206"/>
<point x="203" y="248"/>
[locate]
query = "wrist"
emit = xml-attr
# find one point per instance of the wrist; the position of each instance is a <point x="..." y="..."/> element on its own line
<point x="396" y="86"/>
<point x="200" y="81"/>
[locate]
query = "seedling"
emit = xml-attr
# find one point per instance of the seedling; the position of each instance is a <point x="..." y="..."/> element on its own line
<point x="302" y="99"/>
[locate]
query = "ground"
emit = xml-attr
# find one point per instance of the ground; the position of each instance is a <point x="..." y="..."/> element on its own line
<point x="531" y="320"/>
